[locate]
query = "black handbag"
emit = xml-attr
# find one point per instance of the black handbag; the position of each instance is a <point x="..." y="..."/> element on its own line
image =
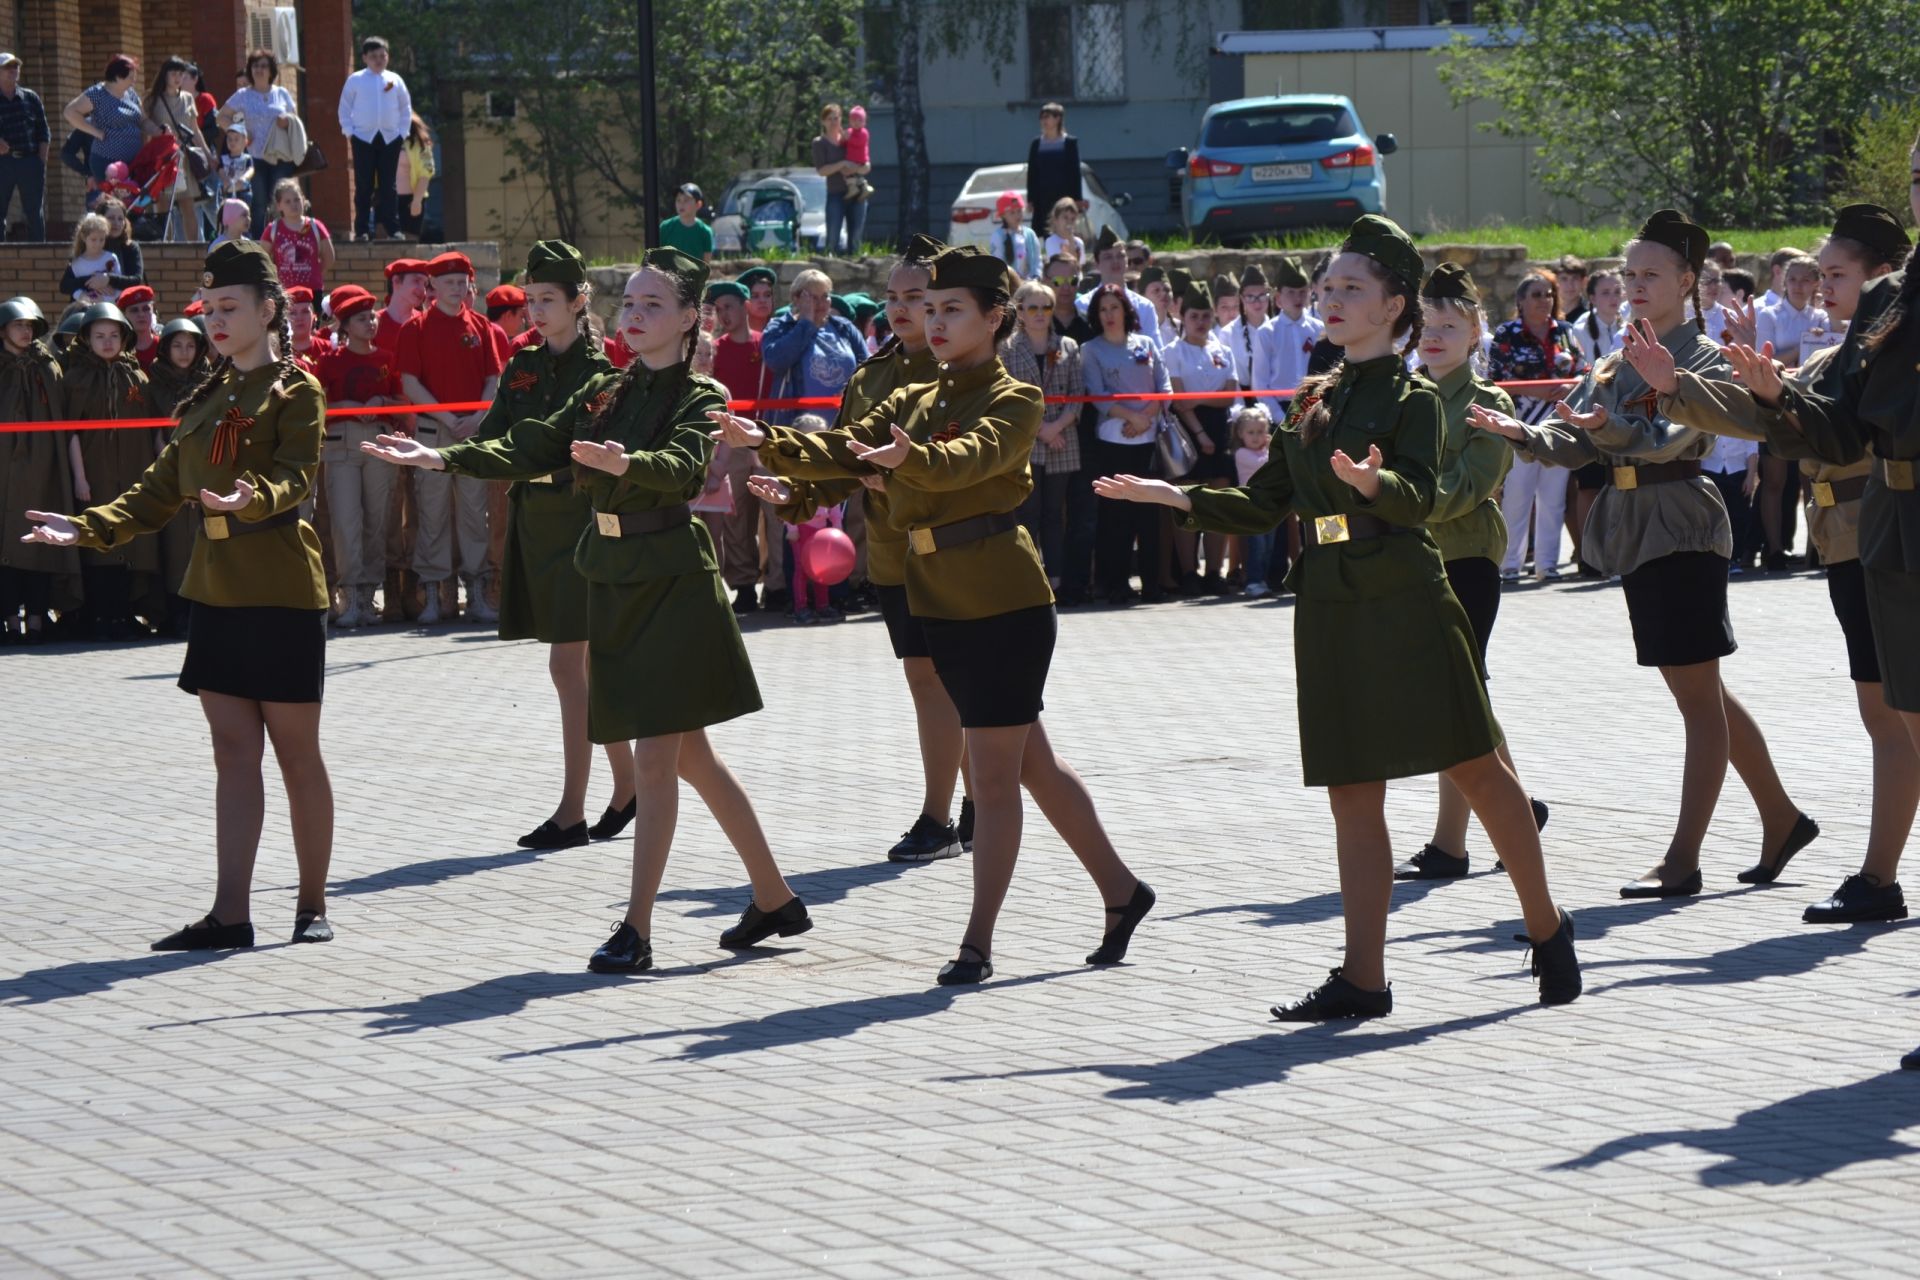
<point x="199" y="159"/>
<point x="314" y="161"/>
<point x="75" y="152"/>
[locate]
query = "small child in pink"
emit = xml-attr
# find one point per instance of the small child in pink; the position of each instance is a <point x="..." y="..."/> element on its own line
<point x="859" y="142"/>
<point x="812" y="607"/>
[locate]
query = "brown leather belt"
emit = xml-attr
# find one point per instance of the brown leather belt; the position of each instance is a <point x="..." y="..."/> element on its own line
<point x="1833" y="493"/>
<point x="219" y="525"/>
<point x="925" y="542"/>
<point x="1358" y="526"/>
<point x="1897" y="473"/>
<point x="631" y="524"/>
<point x="1632" y="477"/>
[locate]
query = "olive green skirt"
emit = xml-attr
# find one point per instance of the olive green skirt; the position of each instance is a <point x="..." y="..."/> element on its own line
<point x="542" y="596"/>
<point x="665" y="656"/>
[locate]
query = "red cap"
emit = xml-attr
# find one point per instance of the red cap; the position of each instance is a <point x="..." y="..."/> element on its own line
<point x="1008" y="200"/>
<point x="194" y="308"/>
<point x="300" y="293"/>
<point x="406" y="267"/>
<point x="350" y="300"/>
<point x="134" y="293"/>
<point x="448" y="264"/>
<point x="506" y="295"/>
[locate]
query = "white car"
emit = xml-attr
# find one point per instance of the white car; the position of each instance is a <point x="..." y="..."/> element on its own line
<point x="972" y="219"/>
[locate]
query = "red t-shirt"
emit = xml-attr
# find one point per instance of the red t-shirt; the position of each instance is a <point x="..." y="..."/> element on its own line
<point x="453" y="356"/>
<point x="347" y="375"/>
<point x="147" y="355"/>
<point x="297" y="253"/>
<point x="311" y="357"/>
<point x="737" y="365"/>
<point x="386" y="332"/>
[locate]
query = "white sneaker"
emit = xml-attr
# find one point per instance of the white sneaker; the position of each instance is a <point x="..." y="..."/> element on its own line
<point x="351" y="615"/>
<point x="1257" y="589"/>
<point x="363" y="598"/>
<point x="430" y="613"/>
<point x="478" y="610"/>
<point x="1509" y="575"/>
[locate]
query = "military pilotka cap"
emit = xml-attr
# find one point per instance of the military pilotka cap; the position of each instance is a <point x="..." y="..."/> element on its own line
<point x="727" y="289"/>
<point x="1873" y="227"/>
<point x="922" y="248"/>
<point x="1179" y="280"/>
<point x="965" y="267"/>
<point x="1671" y="228"/>
<point x="555" y="262"/>
<point x="1288" y="275"/>
<point x="1196" y="297"/>
<point x="1225" y="286"/>
<point x="1252" y="275"/>
<point x="1153" y="275"/>
<point x="1107" y="240"/>
<point x="1450" y="280"/>
<point x="683" y="267"/>
<point x="239" y="262"/>
<point x="1382" y="240"/>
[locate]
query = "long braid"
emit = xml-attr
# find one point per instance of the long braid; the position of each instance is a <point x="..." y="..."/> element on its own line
<point x="1413" y="335"/>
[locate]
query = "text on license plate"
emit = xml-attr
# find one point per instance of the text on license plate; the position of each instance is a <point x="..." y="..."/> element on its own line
<point x="1282" y="172"/>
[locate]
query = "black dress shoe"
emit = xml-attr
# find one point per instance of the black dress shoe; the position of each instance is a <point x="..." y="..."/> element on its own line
<point x="756" y="926"/>
<point x="928" y="840"/>
<point x="1540" y="813"/>
<point x="1432" y="863"/>
<point x="965" y="973"/>
<point x="208" y="935"/>
<point x="1554" y="963"/>
<point x="1334" y="999"/>
<point x="1654" y="887"/>
<point x="964" y="827"/>
<point x="311" y="926"/>
<point x="744" y="601"/>
<point x="1113" y="947"/>
<point x="1859" y="899"/>
<point x="625" y="952"/>
<point x="614" y="821"/>
<point x="551" y="835"/>
<point x="1805" y="832"/>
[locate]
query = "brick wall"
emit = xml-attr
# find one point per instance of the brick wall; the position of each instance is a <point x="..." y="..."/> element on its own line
<point x="168" y="34"/>
<point x="56" y="71"/>
<point x="174" y="269"/>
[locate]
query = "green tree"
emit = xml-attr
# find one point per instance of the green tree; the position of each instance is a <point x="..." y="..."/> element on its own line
<point x="1879" y="170"/>
<point x="1734" y="110"/>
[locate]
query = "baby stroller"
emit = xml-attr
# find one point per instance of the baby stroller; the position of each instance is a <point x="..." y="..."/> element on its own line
<point x="770" y="215"/>
<point x="154" y="171"/>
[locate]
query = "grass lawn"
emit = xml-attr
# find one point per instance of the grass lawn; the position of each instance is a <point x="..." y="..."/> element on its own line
<point x="1543" y="242"/>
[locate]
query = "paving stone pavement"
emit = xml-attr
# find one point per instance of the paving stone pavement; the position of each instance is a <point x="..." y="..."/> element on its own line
<point x="445" y="1091"/>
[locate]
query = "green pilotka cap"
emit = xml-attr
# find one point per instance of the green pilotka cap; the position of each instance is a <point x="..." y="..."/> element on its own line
<point x="1873" y="227"/>
<point x="1153" y="275"/>
<point x="965" y="267"/>
<point x="1671" y="228"/>
<point x="1107" y="240"/>
<point x="1288" y="274"/>
<point x="682" y="267"/>
<point x="921" y="248"/>
<point x="555" y="262"/>
<point x="239" y="262"/>
<point x="1450" y="280"/>
<point x="1382" y="240"/>
<point x="1196" y="297"/>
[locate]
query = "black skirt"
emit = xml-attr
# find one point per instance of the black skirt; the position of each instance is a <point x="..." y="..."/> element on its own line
<point x="1678" y="607"/>
<point x="1476" y="584"/>
<point x="903" y="629"/>
<point x="994" y="669"/>
<point x="1217" y="465"/>
<point x="1847" y="588"/>
<point x="1591" y="476"/>
<point x="1894" y="597"/>
<point x="256" y="652"/>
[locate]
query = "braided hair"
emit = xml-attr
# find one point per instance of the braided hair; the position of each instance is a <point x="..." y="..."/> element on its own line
<point x="686" y="292"/>
<point x="1314" y="417"/>
<point x="286" y="369"/>
<point x="1903" y="306"/>
<point x="589" y="323"/>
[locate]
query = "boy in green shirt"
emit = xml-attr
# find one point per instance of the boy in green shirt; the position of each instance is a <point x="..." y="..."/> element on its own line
<point x="685" y="231"/>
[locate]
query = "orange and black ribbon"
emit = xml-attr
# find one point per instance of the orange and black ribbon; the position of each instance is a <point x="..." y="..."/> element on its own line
<point x="227" y="436"/>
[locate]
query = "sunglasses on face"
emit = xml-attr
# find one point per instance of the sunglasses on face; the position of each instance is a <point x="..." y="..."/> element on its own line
<point x="1136" y="262"/>
<point x="1033" y="308"/>
<point x="1061" y="282"/>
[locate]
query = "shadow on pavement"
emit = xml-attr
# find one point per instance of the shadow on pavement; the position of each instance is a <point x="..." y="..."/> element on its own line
<point x="1787" y="955"/>
<point x="89" y="977"/>
<point x="816" y="888"/>
<point x="1311" y="909"/>
<point x="1592" y="923"/>
<point x="436" y="870"/>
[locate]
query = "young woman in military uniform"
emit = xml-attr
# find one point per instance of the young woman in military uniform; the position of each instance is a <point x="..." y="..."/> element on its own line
<point x="664" y="653"/>
<point x="1660" y="525"/>
<point x="542" y="596"/>
<point x="953" y="453"/>
<point x="104" y="381"/>
<point x="1867" y="242"/>
<point x="35" y="473"/>
<point x="246" y="449"/>
<point x="1388" y="673"/>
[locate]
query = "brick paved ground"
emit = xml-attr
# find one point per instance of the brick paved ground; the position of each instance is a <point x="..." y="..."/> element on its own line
<point x="445" y="1091"/>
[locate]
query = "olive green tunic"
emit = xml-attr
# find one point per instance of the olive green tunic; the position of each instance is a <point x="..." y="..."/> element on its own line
<point x="34" y="472"/>
<point x="542" y="596"/>
<point x="279" y="455"/>
<point x="1387" y="673"/>
<point x="113" y="459"/>
<point x="972" y="434"/>
<point x="169" y="386"/>
<point x="1466" y="522"/>
<point x="663" y="647"/>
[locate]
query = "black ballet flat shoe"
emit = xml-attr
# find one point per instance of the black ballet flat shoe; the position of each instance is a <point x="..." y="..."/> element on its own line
<point x="1540" y="813"/>
<point x="964" y="827"/>
<point x="1553" y="963"/>
<point x="1805" y="832"/>
<point x="1335" y="999"/>
<point x="1860" y="899"/>
<point x="1113" y="947"/>
<point x="1432" y="863"/>
<point x="551" y="835"/>
<point x="311" y="926"/>
<point x="614" y="821"/>
<point x="965" y="973"/>
<point x="756" y="926"/>
<point x="1654" y="887"/>
<point x="625" y="952"/>
<point x="208" y="935"/>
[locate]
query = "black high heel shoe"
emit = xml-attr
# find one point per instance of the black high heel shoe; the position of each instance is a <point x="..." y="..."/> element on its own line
<point x="208" y="934"/>
<point x="1805" y="832"/>
<point x="614" y="821"/>
<point x="1113" y="947"/>
<point x="961" y="973"/>
<point x="551" y="835"/>
<point x="756" y="926"/>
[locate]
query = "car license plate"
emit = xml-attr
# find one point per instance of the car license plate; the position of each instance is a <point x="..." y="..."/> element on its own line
<point x="1282" y="172"/>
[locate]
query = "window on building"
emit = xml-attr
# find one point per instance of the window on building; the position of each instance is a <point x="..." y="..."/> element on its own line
<point x="1076" y="52"/>
<point x="501" y="106"/>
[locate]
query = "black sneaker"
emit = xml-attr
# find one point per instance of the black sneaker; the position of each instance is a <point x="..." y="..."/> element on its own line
<point x="1334" y="999"/>
<point x="744" y="601"/>
<point x="965" y="825"/>
<point x="1432" y="863"/>
<point x="928" y="841"/>
<point x="1859" y="898"/>
<point x="1554" y="963"/>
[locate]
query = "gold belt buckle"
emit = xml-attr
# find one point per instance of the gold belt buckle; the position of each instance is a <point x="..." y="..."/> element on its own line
<point x="1626" y="478"/>
<point x="607" y="523"/>
<point x="215" y="527"/>
<point x="545" y="479"/>
<point x="1823" y="494"/>
<point x="1330" y="529"/>
<point x="921" y="540"/>
<point x="1898" y="473"/>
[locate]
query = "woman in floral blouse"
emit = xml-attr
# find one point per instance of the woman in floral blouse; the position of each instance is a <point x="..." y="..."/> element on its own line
<point x="1535" y="344"/>
<point x="1050" y="361"/>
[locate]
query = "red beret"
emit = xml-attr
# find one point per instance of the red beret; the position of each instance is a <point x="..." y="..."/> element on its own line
<point x="134" y="293"/>
<point x="194" y="308"/>
<point x="448" y="264"/>
<point x="300" y="293"/>
<point x="506" y="295"/>
<point x="349" y="300"/>
<point x="406" y="267"/>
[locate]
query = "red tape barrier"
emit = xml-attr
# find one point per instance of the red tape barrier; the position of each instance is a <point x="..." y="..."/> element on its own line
<point x="737" y="406"/>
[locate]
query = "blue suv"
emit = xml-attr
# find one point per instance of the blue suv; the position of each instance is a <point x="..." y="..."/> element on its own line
<point x="1267" y="163"/>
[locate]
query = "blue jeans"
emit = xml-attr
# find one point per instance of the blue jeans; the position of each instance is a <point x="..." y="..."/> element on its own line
<point x="266" y="176"/>
<point x="1257" y="548"/>
<point x="26" y="174"/>
<point x="852" y="214"/>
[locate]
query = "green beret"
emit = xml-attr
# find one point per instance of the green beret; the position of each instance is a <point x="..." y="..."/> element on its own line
<point x="24" y="308"/>
<point x="239" y="262"/>
<point x="1671" y="228"/>
<point x="864" y="308"/>
<point x="965" y="267"/>
<point x="1450" y="280"/>
<point x="1196" y="296"/>
<point x="1382" y="240"/>
<point x="921" y="249"/>
<point x="682" y="267"/>
<point x="752" y="274"/>
<point x="840" y="305"/>
<point x="108" y="311"/>
<point x="1873" y="227"/>
<point x="1107" y="240"/>
<point x="555" y="262"/>
<point x="1288" y="275"/>
<point x="1153" y="275"/>
<point x="727" y="289"/>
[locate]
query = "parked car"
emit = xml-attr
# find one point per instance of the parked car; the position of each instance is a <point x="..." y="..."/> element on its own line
<point x="1262" y="164"/>
<point x="729" y="233"/>
<point x="971" y="221"/>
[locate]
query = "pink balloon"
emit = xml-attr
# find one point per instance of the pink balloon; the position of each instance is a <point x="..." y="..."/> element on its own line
<point x="829" y="556"/>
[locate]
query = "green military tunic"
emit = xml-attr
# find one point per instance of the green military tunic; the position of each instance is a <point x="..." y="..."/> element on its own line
<point x="664" y="649"/>
<point x="34" y="471"/>
<point x="168" y="387"/>
<point x="1466" y="522"/>
<point x="542" y="596"/>
<point x="972" y="434"/>
<point x="96" y="389"/>
<point x="1387" y="673"/>
<point x="278" y="437"/>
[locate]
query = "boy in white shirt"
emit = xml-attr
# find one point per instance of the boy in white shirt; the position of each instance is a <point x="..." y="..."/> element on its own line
<point x="1776" y="264"/>
<point x="1786" y="322"/>
<point x="1110" y="260"/>
<point x="1282" y="346"/>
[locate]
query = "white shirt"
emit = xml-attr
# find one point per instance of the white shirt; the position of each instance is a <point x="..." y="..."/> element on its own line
<point x="1783" y="326"/>
<point x="1208" y="368"/>
<point x="1142" y="308"/>
<point x="375" y="104"/>
<point x="1281" y="349"/>
<point x="1729" y="456"/>
<point x="1168" y="330"/>
<point x="1593" y="348"/>
<point x="1055" y="244"/>
<point x="1239" y="342"/>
